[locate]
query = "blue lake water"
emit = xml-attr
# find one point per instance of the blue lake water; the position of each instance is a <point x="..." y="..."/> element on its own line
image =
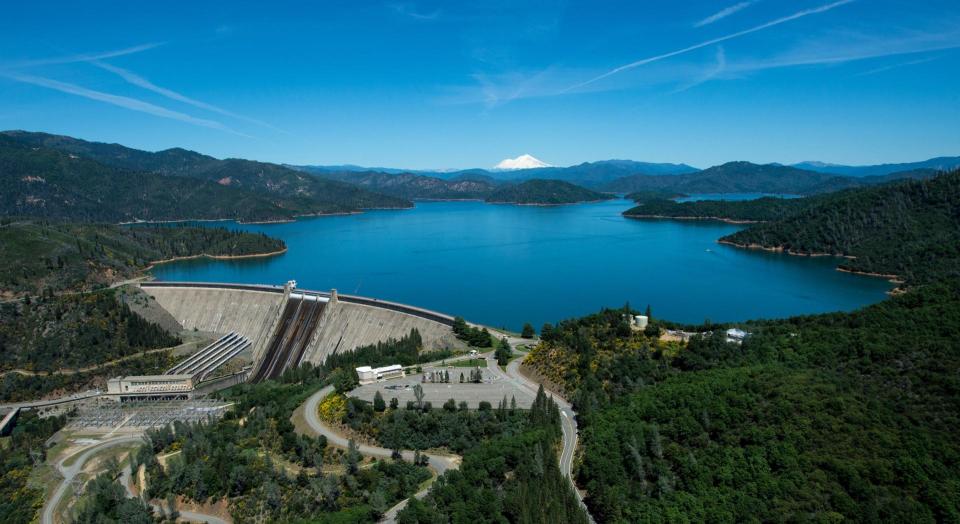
<point x="504" y="265"/>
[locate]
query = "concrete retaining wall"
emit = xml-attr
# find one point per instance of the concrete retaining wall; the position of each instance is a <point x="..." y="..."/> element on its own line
<point x="345" y="326"/>
<point x="250" y="312"/>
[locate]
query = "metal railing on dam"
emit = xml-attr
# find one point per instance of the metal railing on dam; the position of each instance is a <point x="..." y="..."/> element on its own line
<point x="435" y="316"/>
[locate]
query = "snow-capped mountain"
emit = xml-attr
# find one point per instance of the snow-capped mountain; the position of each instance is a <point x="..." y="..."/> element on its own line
<point x="521" y="162"/>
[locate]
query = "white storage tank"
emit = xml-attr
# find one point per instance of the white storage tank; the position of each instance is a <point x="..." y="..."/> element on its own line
<point x="641" y="321"/>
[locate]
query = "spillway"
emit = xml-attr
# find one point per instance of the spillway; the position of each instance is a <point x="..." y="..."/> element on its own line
<point x="290" y="339"/>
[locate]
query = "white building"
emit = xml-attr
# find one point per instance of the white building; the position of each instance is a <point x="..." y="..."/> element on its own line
<point x="736" y="335"/>
<point x="638" y="322"/>
<point x="369" y="375"/>
<point x="146" y="387"/>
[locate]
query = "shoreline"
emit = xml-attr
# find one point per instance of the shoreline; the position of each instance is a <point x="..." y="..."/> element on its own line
<point x="780" y="249"/>
<point x="896" y="280"/>
<point x="541" y="204"/>
<point x="715" y="219"/>
<point x="155" y="263"/>
<point x="267" y="221"/>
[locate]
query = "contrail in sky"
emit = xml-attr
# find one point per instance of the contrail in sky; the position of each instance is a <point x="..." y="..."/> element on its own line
<point x="81" y="58"/>
<point x="772" y="23"/>
<point x="140" y="81"/>
<point x="117" y="100"/>
<point x="723" y="13"/>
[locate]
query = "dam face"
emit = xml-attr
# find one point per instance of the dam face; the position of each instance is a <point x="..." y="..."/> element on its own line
<point x="287" y="328"/>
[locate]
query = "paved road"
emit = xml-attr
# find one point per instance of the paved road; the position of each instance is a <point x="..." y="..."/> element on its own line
<point x="69" y="472"/>
<point x="52" y="402"/>
<point x="568" y="423"/>
<point x="438" y="463"/>
<point x="441" y="463"/>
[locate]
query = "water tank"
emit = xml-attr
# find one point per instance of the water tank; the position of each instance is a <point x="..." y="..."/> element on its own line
<point x="641" y="321"/>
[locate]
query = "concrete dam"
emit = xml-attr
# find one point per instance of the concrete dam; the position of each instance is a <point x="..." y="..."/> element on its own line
<point x="287" y="327"/>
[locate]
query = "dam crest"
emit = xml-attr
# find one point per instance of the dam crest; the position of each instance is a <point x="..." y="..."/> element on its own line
<point x="287" y="326"/>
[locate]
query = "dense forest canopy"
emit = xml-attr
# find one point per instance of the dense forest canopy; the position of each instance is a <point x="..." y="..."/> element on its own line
<point x="545" y="192"/>
<point x="840" y="416"/>
<point x="511" y="478"/>
<point x="910" y="229"/>
<point x="41" y="256"/>
<point x="414" y="186"/>
<point x="758" y="210"/>
<point x="19" y="498"/>
<point x="74" y="331"/>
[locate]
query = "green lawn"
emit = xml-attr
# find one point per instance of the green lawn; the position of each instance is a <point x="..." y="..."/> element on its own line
<point x="470" y="363"/>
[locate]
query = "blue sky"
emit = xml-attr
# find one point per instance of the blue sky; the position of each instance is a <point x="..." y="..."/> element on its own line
<point x="449" y="84"/>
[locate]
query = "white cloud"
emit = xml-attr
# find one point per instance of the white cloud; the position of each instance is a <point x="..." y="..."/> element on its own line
<point x="723" y="13"/>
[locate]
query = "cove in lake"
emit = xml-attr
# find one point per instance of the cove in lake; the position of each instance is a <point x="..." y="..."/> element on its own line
<point x="504" y="265"/>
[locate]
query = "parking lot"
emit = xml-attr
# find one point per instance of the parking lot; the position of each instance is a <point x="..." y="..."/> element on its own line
<point x="493" y="389"/>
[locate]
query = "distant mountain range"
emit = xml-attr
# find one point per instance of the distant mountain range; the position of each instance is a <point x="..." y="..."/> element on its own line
<point x="627" y="176"/>
<point x="590" y="174"/>
<point x="943" y="163"/>
<point x="62" y="177"/>
<point x="59" y="177"/>
<point x="737" y="177"/>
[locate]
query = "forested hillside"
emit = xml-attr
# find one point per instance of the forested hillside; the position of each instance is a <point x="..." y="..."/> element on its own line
<point x="759" y="210"/>
<point x="829" y="417"/>
<point x="46" y="183"/>
<point x="39" y="256"/>
<point x="910" y="229"/>
<point x="845" y="416"/>
<point x="61" y="177"/>
<point x="544" y="192"/>
<point x="19" y="498"/>
<point x="738" y="177"/>
<point x="413" y="186"/>
<point x="512" y="478"/>
<point x="73" y="331"/>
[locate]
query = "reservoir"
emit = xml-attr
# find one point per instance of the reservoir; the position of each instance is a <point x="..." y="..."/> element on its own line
<point x="503" y="265"/>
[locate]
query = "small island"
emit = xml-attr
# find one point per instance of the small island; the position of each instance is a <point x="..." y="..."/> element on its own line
<point x="539" y="192"/>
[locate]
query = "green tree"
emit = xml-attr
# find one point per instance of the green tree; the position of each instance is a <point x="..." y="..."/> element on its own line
<point x="528" y="331"/>
<point x="503" y="352"/>
<point x="378" y="404"/>
<point x="418" y="394"/>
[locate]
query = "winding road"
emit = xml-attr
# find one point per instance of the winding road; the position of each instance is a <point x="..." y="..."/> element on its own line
<point x="82" y="456"/>
<point x="442" y="463"/>
<point x="568" y="424"/>
<point x="439" y="463"/>
<point x="70" y="472"/>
